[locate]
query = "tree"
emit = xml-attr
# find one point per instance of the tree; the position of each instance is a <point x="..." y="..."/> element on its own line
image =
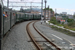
<point x="53" y="20"/>
<point x="49" y="9"/>
<point x="71" y="22"/>
<point x="74" y="16"/>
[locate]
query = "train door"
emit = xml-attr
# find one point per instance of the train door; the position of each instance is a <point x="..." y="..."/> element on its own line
<point x="10" y="19"/>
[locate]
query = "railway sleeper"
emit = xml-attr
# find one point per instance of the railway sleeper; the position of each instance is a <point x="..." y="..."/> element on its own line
<point x="37" y="41"/>
<point x="43" y="47"/>
<point x="49" y="47"/>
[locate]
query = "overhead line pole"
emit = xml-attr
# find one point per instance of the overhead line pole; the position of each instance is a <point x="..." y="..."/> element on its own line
<point x="48" y="12"/>
<point x="45" y="11"/>
<point x="41" y="8"/>
<point x="8" y="3"/>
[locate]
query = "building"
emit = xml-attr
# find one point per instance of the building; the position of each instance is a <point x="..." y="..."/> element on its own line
<point x="64" y="13"/>
<point x="74" y="13"/>
<point x="70" y="17"/>
<point x="35" y="12"/>
<point x="58" y="17"/>
<point x="49" y="14"/>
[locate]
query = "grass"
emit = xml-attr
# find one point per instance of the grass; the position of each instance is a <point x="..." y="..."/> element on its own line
<point x="63" y="31"/>
<point x="59" y="24"/>
<point x="65" y="26"/>
<point x="69" y="27"/>
<point x="73" y="29"/>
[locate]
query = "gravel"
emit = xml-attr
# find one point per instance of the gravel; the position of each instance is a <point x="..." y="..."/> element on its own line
<point x="17" y="38"/>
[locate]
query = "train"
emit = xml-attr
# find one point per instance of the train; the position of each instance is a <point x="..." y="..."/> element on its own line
<point x="13" y="17"/>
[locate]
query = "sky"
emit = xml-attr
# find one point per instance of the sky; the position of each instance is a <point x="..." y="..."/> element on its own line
<point x="59" y="5"/>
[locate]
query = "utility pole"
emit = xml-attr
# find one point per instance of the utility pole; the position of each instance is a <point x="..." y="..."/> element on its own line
<point x="55" y="13"/>
<point x="45" y="10"/>
<point x="8" y="3"/>
<point x="48" y="12"/>
<point x="31" y="7"/>
<point x="41" y="9"/>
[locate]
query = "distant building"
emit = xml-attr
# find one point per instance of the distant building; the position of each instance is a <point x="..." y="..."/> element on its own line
<point x="74" y="13"/>
<point x="64" y="13"/>
<point x="58" y="17"/>
<point x="35" y="12"/>
<point x="70" y="17"/>
<point x="49" y="14"/>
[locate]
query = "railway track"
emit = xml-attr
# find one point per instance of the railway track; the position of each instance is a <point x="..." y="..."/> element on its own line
<point x="47" y="44"/>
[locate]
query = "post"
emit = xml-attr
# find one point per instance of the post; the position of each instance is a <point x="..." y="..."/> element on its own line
<point x="41" y="9"/>
<point x="31" y="7"/>
<point x="45" y="10"/>
<point x="48" y="12"/>
<point x="55" y="13"/>
<point x="8" y="3"/>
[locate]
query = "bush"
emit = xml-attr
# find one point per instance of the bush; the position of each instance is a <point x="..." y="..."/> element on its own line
<point x="53" y="20"/>
<point x="70" y="20"/>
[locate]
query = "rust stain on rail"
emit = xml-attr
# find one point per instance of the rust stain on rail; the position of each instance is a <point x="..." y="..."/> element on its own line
<point x="31" y="36"/>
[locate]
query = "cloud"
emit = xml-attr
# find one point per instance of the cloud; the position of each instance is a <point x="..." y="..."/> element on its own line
<point x="65" y="9"/>
<point x="60" y="10"/>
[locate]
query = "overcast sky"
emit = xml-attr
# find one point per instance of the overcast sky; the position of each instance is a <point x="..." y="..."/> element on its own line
<point x="60" y="5"/>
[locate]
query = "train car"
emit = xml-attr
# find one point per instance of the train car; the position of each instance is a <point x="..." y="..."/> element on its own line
<point x="18" y="16"/>
<point x="30" y="16"/>
<point x="6" y="20"/>
<point x="6" y="23"/>
<point x="36" y="17"/>
<point x="12" y="18"/>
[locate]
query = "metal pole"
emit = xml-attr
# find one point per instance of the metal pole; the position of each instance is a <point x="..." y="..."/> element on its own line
<point x="41" y="9"/>
<point x="55" y="13"/>
<point x="8" y="3"/>
<point x="31" y="7"/>
<point x="48" y="12"/>
<point x="45" y="10"/>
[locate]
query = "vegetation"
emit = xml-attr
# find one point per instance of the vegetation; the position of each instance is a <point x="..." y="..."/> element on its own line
<point x="49" y="9"/>
<point x="71" y="22"/>
<point x="53" y="20"/>
<point x="74" y="16"/>
<point x="63" y="31"/>
<point x="70" y="25"/>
